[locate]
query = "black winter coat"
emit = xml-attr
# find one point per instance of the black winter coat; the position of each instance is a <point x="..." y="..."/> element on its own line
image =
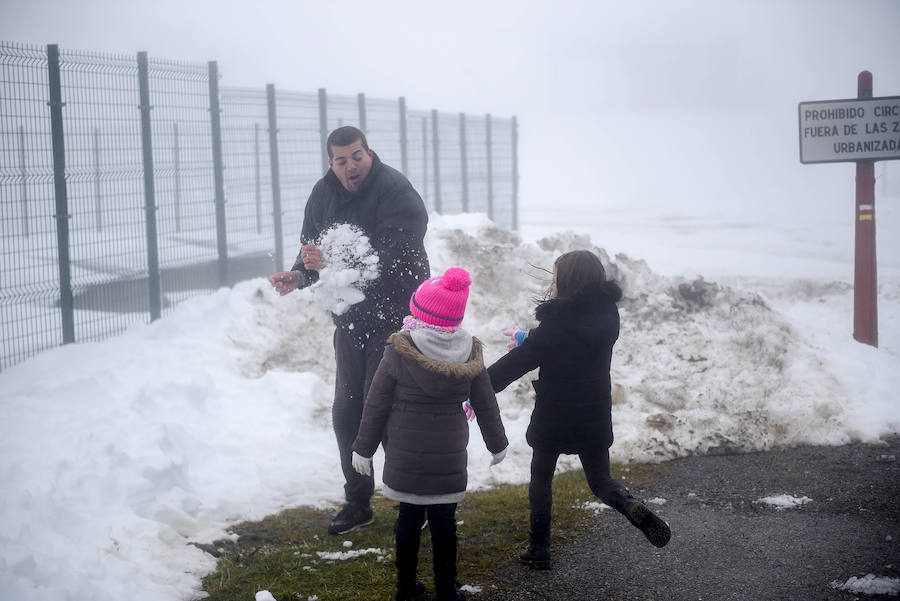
<point x="572" y="345"/>
<point x="391" y="213"/>
<point x="416" y="403"/>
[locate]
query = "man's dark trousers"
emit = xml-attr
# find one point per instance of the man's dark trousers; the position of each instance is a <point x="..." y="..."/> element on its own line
<point x="356" y="361"/>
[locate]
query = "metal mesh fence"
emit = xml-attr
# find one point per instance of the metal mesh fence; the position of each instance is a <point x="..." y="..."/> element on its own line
<point x="130" y="219"/>
<point x="248" y="174"/>
<point x="300" y="156"/>
<point x="105" y="196"/>
<point x="420" y="170"/>
<point x="183" y="176"/>
<point x="505" y="172"/>
<point x="29" y="283"/>
<point x="383" y="130"/>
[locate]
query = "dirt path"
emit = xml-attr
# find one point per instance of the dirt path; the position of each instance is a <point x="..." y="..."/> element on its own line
<point x="726" y="546"/>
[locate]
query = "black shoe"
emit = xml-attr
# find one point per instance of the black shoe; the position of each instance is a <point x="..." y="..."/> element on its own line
<point x="351" y="517"/>
<point x="536" y="557"/>
<point x="417" y="593"/>
<point x="653" y="527"/>
<point x="456" y="595"/>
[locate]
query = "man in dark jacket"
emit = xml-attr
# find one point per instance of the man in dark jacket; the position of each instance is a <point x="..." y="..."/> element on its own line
<point x="361" y="191"/>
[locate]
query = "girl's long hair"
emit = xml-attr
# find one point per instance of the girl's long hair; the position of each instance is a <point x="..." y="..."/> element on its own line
<point x="575" y="270"/>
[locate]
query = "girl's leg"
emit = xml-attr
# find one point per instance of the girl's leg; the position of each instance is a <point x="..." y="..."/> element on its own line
<point x="408" y="531"/>
<point x="613" y="493"/>
<point x="540" y="498"/>
<point x="603" y="485"/>
<point x="442" y="521"/>
<point x="540" y="489"/>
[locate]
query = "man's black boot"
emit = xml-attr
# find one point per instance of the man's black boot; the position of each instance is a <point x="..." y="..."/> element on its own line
<point x="537" y="555"/>
<point x="653" y="526"/>
<point x="351" y="517"/>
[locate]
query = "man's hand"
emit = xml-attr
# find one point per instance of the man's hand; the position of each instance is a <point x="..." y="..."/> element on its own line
<point x="361" y="464"/>
<point x="312" y="257"/>
<point x="285" y="281"/>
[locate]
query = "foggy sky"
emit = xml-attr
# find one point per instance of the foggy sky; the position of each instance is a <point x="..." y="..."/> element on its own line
<point x="658" y="103"/>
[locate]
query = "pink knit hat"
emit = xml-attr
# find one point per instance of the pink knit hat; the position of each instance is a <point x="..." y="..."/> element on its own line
<point x="441" y="301"/>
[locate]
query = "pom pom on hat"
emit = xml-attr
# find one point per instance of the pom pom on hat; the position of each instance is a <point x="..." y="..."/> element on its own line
<point x="456" y="279"/>
<point x="441" y="300"/>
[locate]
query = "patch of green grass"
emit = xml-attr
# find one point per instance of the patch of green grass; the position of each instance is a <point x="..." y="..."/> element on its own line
<point x="281" y="553"/>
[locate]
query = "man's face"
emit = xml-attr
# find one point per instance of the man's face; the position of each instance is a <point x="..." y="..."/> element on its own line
<point x="351" y="164"/>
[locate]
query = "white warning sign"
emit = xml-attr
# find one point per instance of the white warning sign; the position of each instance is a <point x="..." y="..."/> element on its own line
<point x="850" y="130"/>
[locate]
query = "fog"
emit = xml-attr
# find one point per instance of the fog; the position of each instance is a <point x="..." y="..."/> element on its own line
<point x="676" y="107"/>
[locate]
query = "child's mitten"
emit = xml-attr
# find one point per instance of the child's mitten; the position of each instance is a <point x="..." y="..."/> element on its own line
<point x="517" y="336"/>
<point x="470" y="412"/>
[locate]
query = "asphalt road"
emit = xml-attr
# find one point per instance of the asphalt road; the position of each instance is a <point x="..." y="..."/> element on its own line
<point x="726" y="546"/>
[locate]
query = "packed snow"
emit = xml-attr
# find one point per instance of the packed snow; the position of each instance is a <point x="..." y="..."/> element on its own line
<point x="116" y="456"/>
<point x="870" y="584"/>
<point x="785" y="501"/>
<point x="345" y="555"/>
<point x="350" y="264"/>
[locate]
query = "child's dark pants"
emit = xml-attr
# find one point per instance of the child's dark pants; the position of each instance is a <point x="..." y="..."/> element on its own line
<point x="596" y="469"/>
<point x="442" y="522"/>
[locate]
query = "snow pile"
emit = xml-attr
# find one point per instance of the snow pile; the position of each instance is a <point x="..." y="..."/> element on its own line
<point x="782" y="502"/>
<point x="700" y="367"/>
<point x="870" y="584"/>
<point x="351" y="264"/>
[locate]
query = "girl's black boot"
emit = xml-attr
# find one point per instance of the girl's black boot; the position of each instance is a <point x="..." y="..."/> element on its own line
<point x="407" y="561"/>
<point x="654" y="527"/>
<point x="537" y="555"/>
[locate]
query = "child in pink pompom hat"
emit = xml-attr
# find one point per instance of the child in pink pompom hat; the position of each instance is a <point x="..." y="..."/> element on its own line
<point x="415" y="406"/>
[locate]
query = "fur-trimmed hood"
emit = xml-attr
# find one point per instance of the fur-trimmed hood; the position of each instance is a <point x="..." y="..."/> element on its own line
<point x="467" y="371"/>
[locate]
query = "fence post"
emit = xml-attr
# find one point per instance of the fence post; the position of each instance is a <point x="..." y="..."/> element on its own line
<point x="463" y="163"/>
<point x="515" y="173"/>
<point x="215" y="119"/>
<point x="66" y="302"/>
<point x="153" y="283"/>
<point x="490" y="166"/>
<point x="361" y="101"/>
<point x="435" y="143"/>
<point x="323" y="127"/>
<point x="257" y="186"/>
<point x="177" y="157"/>
<point x="23" y="169"/>
<point x="403" y="138"/>
<point x="425" y="157"/>
<point x="276" y="178"/>
<point x="98" y="204"/>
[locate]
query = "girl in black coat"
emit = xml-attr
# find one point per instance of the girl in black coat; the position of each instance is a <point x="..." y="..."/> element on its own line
<point x="572" y="346"/>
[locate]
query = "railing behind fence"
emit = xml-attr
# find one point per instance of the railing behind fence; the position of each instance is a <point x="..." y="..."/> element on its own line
<point x="128" y="184"/>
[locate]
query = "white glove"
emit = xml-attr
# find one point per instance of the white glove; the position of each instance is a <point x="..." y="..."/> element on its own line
<point x="361" y="464"/>
<point x="498" y="456"/>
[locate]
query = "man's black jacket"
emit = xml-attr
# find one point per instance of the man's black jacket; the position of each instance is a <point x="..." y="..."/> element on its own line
<point x="391" y="213"/>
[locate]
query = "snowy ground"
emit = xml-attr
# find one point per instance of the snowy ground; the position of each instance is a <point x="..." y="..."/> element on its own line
<point x="115" y="455"/>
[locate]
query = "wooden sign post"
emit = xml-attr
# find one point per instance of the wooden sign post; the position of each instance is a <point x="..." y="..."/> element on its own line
<point x="862" y="130"/>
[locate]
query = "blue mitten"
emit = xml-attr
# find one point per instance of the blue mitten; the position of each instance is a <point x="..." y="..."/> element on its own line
<point x="518" y="337"/>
